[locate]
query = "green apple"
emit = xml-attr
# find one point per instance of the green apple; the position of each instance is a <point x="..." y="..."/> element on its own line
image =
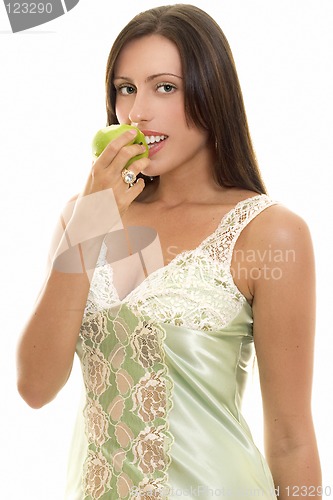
<point x="108" y="134"/>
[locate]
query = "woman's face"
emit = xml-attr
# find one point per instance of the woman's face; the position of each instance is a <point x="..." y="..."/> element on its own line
<point x="150" y="95"/>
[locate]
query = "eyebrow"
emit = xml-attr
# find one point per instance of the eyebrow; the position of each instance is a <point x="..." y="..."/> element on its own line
<point x="149" y="78"/>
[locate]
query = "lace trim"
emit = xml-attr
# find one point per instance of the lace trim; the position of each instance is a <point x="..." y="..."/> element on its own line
<point x="128" y="399"/>
<point x="220" y="244"/>
<point x="196" y="290"/>
<point x="102" y="293"/>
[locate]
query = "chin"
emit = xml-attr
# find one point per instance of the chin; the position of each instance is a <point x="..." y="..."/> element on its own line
<point x="151" y="172"/>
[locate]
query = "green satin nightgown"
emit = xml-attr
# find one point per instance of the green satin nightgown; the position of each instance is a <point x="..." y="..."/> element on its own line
<point x="164" y="372"/>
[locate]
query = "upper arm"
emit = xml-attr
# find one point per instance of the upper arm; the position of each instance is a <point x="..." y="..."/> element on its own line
<point x="284" y="323"/>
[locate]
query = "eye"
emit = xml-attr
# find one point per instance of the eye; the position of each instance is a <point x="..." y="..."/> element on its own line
<point x="166" y="88"/>
<point x="125" y="89"/>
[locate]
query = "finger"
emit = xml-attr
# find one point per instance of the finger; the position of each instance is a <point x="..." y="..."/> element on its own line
<point x="117" y="155"/>
<point x="126" y="174"/>
<point x="113" y="176"/>
<point x="125" y="198"/>
<point x="134" y="191"/>
<point x="113" y="148"/>
<point x="126" y="154"/>
<point x="139" y="166"/>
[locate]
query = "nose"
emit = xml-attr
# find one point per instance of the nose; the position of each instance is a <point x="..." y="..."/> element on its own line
<point x="140" y="111"/>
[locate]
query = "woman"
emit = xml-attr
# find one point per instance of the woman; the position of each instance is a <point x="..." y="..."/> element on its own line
<point x="166" y="331"/>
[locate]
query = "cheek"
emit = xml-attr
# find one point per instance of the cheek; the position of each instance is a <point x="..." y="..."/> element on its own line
<point x="177" y="108"/>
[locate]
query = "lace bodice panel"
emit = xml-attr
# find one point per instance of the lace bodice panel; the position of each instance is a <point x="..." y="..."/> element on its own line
<point x="196" y="289"/>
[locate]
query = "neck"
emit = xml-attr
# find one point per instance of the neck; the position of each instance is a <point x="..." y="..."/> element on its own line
<point x="193" y="183"/>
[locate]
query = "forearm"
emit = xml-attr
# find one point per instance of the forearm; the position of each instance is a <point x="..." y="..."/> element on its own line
<point x="296" y="472"/>
<point x="47" y="346"/>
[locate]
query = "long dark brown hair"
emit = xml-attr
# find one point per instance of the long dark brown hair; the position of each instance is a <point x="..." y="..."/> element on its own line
<point x="212" y="93"/>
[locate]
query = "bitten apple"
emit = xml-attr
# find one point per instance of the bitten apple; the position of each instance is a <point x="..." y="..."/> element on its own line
<point x="108" y="134"/>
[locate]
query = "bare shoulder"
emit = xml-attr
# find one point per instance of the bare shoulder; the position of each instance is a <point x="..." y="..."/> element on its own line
<point x="277" y="225"/>
<point x="277" y="242"/>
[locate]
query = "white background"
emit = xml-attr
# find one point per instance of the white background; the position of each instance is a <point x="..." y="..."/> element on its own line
<point x="51" y="104"/>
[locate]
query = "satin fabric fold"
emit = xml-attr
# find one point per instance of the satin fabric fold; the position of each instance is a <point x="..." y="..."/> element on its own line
<point x="213" y="453"/>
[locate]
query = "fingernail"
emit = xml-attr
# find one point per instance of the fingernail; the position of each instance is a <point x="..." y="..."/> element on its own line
<point x="133" y="131"/>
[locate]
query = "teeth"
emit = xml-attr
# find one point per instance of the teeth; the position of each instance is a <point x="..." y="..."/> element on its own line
<point x="150" y="139"/>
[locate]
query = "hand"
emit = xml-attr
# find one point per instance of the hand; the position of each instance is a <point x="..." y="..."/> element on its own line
<point x="99" y="207"/>
<point x="107" y="169"/>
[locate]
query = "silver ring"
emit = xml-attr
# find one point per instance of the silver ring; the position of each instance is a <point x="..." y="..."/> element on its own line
<point x="128" y="176"/>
